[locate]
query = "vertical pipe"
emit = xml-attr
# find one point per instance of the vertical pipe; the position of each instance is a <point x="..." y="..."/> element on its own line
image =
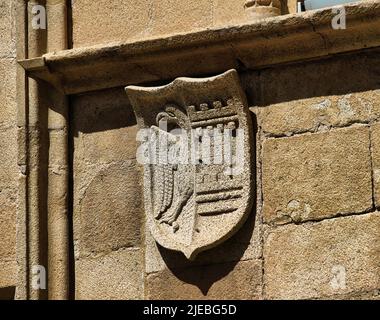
<point x="58" y="189"/>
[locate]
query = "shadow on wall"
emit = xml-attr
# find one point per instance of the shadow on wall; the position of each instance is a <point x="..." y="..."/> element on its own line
<point x="7" y="293"/>
<point x="102" y="111"/>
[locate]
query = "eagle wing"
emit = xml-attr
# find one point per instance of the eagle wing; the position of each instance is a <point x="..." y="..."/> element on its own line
<point x="164" y="179"/>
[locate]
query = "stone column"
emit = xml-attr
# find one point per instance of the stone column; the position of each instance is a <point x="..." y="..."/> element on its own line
<point x="58" y="168"/>
<point x="43" y="157"/>
<point x="259" y="9"/>
<point x="36" y="153"/>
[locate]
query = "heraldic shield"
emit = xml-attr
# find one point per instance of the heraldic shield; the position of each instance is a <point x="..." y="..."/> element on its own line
<point x="195" y="140"/>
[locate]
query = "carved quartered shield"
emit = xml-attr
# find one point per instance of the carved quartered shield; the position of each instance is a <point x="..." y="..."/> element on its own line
<point x="195" y="144"/>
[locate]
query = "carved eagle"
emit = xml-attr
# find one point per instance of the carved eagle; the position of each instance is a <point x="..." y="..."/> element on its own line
<point x="171" y="194"/>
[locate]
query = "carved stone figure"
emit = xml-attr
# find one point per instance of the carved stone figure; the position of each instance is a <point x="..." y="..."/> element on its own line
<point x="196" y="140"/>
<point x="258" y="9"/>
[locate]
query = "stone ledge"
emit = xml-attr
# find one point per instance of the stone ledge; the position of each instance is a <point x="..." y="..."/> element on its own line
<point x="272" y="41"/>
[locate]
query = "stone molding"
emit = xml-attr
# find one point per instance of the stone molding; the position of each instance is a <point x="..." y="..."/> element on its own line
<point x="271" y="41"/>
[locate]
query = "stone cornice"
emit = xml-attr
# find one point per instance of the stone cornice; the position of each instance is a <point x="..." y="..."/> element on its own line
<point x="270" y="42"/>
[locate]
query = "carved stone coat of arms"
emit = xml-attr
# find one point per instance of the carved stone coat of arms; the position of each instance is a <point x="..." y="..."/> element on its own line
<point x="195" y="144"/>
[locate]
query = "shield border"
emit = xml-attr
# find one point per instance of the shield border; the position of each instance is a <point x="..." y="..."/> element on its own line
<point x="140" y="97"/>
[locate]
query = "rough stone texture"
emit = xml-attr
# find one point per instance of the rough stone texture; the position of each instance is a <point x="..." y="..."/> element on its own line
<point x="144" y="19"/>
<point x="8" y="156"/>
<point x="232" y="281"/>
<point x="107" y="211"/>
<point x="7" y="30"/>
<point x="110" y="210"/>
<point x="8" y="149"/>
<point x="314" y="176"/>
<point x="375" y="144"/>
<point x="329" y="171"/>
<point x="104" y="127"/>
<point x="194" y="205"/>
<point x="7" y="91"/>
<point x="227" y="12"/>
<point x="115" y="276"/>
<point x="250" y="46"/>
<point x="8" y="266"/>
<point x="177" y="16"/>
<point x="245" y="245"/>
<point x="8" y="223"/>
<point x="297" y="99"/>
<point x="8" y="163"/>
<point x="120" y="20"/>
<point x="319" y="113"/>
<point x="309" y="260"/>
<point x="8" y="275"/>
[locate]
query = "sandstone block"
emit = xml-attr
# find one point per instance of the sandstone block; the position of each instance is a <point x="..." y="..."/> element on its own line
<point x="228" y="12"/>
<point x="225" y="281"/>
<point x="319" y="113"/>
<point x="104" y="127"/>
<point x="8" y="198"/>
<point x="120" y="20"/>
<point x="375" y="140"/>
<point x="7" y="39"/>
<point x="173" y="16"/>
<point x="8" y="156"/>
<point x="315" y="176"/>
<point x="8" y="108"/>
<point x="116" y="276"/>
<point x="8" y="276"/>
<point x="244" y="245"/>
<point x="110" y="211"/>
<point x="332" y="257"/>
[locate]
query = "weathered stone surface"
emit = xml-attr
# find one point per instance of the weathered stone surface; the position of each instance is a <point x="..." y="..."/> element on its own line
<point x="121" y="20"/>
<point x="7" y="91"/>
<point x="246" y="244"/>
<point x="144" y="19"/>
<point x="228" y="12"/>
<point x="8" y="156"/>
<point x="375" y="151"/>
<point x="250" y="46"/>
<point x="314" y="176"/>
<point x="260" y="9"/>
<point x="7" y="39"/>
<point x="104" y="127"/>
<point x="8" y="275"/>
<point x="115" y="276"/>
<point x="337" y="256"/>
<point x="8" y="267"/>
<point x="178" y="16"/>
<point x="110" y="211"/>
<point x="8" y="199"/>
<point x="240" y="280"/>
<point x="197" y="191"/>
<point x="342" y="99"/>
<point x="320" y="113"/>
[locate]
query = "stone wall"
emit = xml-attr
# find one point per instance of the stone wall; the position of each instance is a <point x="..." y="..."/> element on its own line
<point x="142" y="19"/>
<point x="319" y="136"/>
<point x="313" y="230"/>
<point x="8" y="149"/>
<point x="108" y="208"/>
<point x="314" y="218"/>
